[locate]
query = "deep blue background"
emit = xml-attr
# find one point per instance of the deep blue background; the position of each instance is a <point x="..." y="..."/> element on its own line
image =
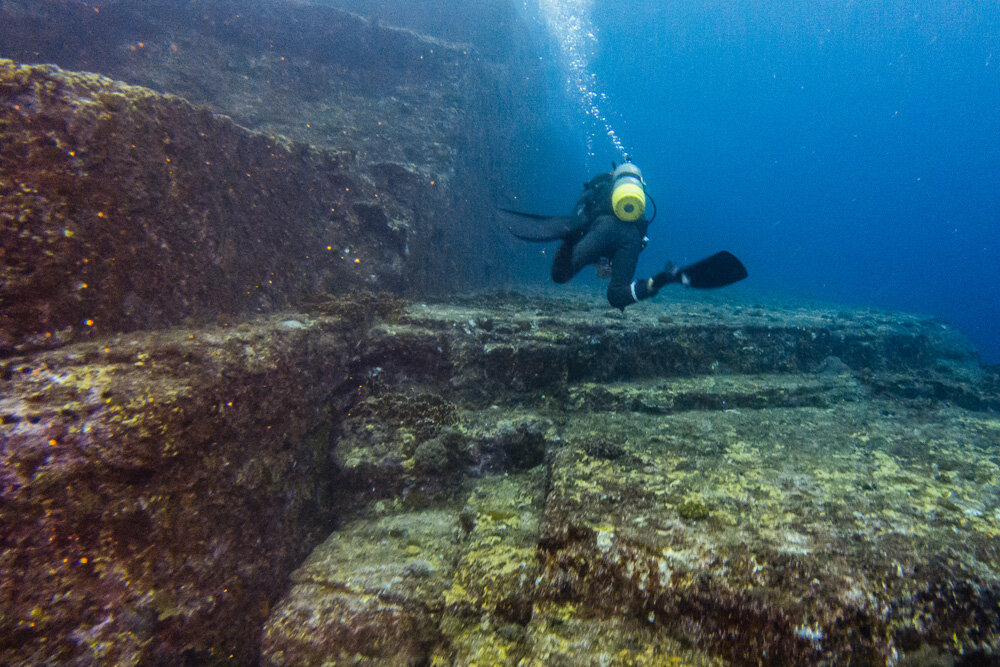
<point x="846" y="151"/>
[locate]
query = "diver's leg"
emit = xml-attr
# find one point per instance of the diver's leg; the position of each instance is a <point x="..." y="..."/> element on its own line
<point x="599" y="242"/>
<point x="622" y="291"/>
<point x="571" y="256"/>
<point x="562" y="265"/>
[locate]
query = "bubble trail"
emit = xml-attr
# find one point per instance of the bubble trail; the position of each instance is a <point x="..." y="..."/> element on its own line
<point x="569" y="23"/>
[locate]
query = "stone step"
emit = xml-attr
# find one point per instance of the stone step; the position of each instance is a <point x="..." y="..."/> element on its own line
<point x="455" y="585"/>
<point x="717" y="392"/>
<point x="813" y="534"/>
<point x="395" y="588"/>
<point x="512" y="347"/>
<point x="374" y="590"/>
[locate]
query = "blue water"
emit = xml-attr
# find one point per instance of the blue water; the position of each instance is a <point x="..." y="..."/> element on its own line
<point x="845" y="151"/>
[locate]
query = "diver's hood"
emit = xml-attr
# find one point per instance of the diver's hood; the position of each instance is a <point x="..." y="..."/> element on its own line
<point x="628" y="192"/>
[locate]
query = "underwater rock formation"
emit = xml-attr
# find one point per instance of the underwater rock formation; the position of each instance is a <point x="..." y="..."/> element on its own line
<point x="311" y="73"/>
<point x="156" y="487"/>
<point x="412" y="124"/>
<point x="515" y="478"/>
<point x="122" y="209"/>
<point x="494" y="480"/>
<point x="720" y="485"/>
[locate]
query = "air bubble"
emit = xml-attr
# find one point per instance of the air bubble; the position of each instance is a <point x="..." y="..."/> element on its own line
<point x="569" y="23"/>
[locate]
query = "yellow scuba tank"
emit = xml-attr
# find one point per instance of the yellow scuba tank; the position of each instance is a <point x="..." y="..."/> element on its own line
<point x="628" y="192"/>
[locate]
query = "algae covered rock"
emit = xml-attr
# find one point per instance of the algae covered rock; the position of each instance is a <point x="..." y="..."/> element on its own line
<point x="157" y="490"/>
<point x="123" y="208"/>
<point x="381" y="147"/>
<point x="371" y="591"/>
<point x="784" y="532"/>
<point x="723" y="518"/>
<point x="395" y="588"/>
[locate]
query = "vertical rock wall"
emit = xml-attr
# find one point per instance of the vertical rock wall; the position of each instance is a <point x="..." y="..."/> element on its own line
<point x="122" y="209"/>
<point x="377" y="169"/>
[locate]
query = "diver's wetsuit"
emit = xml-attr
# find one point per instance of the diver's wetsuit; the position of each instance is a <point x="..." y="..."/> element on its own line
<point x="601" y="234"/>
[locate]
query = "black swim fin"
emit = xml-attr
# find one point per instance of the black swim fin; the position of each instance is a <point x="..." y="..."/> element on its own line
<point x="719" y="270"/>
<point x="541" y="227"/>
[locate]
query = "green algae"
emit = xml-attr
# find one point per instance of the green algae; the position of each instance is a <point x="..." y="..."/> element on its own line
<point x="423" y="566"/>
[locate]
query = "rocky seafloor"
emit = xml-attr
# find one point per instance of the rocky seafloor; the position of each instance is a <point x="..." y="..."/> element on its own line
<point x="505" y="479"/>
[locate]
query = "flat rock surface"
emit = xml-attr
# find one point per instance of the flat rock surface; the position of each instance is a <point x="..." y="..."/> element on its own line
<point x="796" y="512"/>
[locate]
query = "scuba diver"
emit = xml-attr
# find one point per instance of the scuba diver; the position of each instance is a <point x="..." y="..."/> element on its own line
<point x="608" y="229"/>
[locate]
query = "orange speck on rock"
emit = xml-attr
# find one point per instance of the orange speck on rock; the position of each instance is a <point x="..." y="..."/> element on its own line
<point x="53" y="442"/>
<point x="83" y="560"/>
<point x="432" y="182"/>
<point x="357" y="260"/>
<point x="100" y="214"/>
<point x="89" y="323"/>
